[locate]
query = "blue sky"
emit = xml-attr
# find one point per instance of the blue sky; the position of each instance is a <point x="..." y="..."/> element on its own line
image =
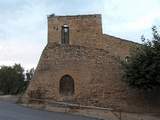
<point x="23" y="23"/>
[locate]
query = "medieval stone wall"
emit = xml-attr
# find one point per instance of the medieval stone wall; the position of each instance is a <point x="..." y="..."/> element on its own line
<point x="84" y="30"/>
<point x="96" y="74"/>
<point x="92" y="60"/>
<point x="117" y="46"/>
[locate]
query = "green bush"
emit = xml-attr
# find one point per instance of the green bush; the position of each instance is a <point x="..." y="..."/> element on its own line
<point x="12" y="79"/>
<point x="142" y="70"/>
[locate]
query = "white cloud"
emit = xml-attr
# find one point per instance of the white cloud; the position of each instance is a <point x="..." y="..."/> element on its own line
<point x="130" y="19"/>
<point x="20" y="52"/>
<point x="141" y="23"/>
<point x="144" y="22"/>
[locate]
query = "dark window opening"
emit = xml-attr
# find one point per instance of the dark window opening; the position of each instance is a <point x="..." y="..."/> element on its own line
<point x="66" y="85"/>
<point x="65" y="34"/>
<point x="127" y="58"/>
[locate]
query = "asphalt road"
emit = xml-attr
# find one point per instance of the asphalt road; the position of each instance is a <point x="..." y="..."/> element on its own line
<point x="11" y="111"/>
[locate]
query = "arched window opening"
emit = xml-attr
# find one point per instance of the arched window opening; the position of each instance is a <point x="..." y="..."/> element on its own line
<point x="66" y="87"/>
<point x="65" y="34"/>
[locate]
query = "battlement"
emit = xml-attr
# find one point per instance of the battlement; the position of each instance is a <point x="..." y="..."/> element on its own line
<point x="82" y="29"/>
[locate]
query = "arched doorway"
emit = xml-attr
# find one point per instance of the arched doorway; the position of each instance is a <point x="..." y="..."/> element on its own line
<point x="66" y="87"/>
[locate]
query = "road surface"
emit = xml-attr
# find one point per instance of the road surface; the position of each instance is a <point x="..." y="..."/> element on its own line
<point x="11" y="111"/>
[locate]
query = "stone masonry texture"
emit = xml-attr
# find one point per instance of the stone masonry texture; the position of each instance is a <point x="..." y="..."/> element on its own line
<point x="92" y="59"/>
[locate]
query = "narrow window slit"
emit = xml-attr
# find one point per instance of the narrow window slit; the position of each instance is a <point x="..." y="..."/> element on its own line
<point x="65" y="34"/>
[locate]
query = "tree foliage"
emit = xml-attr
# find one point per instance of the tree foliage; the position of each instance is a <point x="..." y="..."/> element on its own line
<point x="142" y="70"/>
<point x="12" y="79"/>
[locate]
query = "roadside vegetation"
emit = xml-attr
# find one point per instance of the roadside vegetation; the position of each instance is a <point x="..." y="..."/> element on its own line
<point x="14" y="79"/>
<point x="142" y="68"/>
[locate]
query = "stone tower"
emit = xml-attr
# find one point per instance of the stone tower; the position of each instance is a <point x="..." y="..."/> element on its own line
<point x="80" y="64"/>
<point x="83" y="30"/>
